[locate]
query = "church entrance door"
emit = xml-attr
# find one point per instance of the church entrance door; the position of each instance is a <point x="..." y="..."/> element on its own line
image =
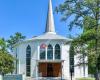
<point x="49" y="69"/>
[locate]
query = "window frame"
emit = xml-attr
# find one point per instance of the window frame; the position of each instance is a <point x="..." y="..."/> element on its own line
<point x="57" y="52"/>
<point x="43" y="49"/>
<point x="50" y="52"/>
<point x="28" y="61"/>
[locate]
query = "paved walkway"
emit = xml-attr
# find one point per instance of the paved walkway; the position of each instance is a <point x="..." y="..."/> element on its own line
<point x="46" y="79"/>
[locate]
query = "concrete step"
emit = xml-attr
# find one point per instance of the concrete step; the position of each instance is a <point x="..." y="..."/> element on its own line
<point x="45" y="78"/>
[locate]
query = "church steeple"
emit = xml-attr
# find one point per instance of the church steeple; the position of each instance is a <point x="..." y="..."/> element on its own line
<point x="50" y="28"/>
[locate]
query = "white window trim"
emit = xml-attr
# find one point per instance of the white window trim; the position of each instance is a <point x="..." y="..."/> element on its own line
<point x="46" y="49"/>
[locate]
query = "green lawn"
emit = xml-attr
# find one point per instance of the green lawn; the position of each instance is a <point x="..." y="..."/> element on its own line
<point x="85" y="79"/>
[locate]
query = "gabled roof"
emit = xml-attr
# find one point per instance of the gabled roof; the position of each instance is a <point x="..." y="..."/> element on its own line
<point x="50" y="36"/>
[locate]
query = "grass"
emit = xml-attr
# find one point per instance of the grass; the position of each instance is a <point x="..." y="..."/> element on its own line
<point x="85" y="79"/>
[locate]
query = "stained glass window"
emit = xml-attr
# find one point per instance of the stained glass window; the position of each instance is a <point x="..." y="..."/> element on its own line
<point x="57" y="52"/>
<point x="28" y="61"/>
<point x="50" y="52"/>
<point x="43" y="51"/>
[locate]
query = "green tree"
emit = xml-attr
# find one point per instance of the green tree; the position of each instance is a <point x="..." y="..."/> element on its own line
<point x="86" y="15"/>
<point x="14" y="39"/>
<point x="6" y="59"/>
<point x="17" y="37"/>
<point x="3" y="45"/>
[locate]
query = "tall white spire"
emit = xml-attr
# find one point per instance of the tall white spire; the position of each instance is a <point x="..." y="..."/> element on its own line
<point x="50" y="28"/>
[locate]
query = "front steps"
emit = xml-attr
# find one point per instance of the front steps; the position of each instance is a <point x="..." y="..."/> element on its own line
<point x="46" y="78"/>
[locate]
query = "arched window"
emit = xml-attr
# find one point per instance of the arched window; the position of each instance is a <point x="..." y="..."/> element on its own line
<point x="28" y="61"/>
<point x="50" y="52"/>
<point x="42" y="51"/>
<point x="57" y="52"/>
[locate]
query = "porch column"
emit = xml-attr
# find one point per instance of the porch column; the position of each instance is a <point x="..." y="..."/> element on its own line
<point x="46" y="53"/>
<point x="19" y="66"/>
<point x="37" y="72"/>
<point x="38" y="58"/>
<point x="53" y="52"/>
<point x="62" y="64"/>
<point x="38" y="52"/>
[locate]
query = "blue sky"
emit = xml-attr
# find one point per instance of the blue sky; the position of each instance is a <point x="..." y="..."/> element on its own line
<point x="29" y="18"/>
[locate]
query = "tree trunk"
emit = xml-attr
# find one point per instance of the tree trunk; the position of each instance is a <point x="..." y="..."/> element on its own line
<point x="96" y="41"/>
<point x="97" y="75"/>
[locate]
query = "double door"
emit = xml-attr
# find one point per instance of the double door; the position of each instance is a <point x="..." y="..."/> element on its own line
<point x="50" y="69"/>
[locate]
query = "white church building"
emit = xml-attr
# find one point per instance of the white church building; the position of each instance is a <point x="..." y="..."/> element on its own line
<point x="47" y="55"/>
